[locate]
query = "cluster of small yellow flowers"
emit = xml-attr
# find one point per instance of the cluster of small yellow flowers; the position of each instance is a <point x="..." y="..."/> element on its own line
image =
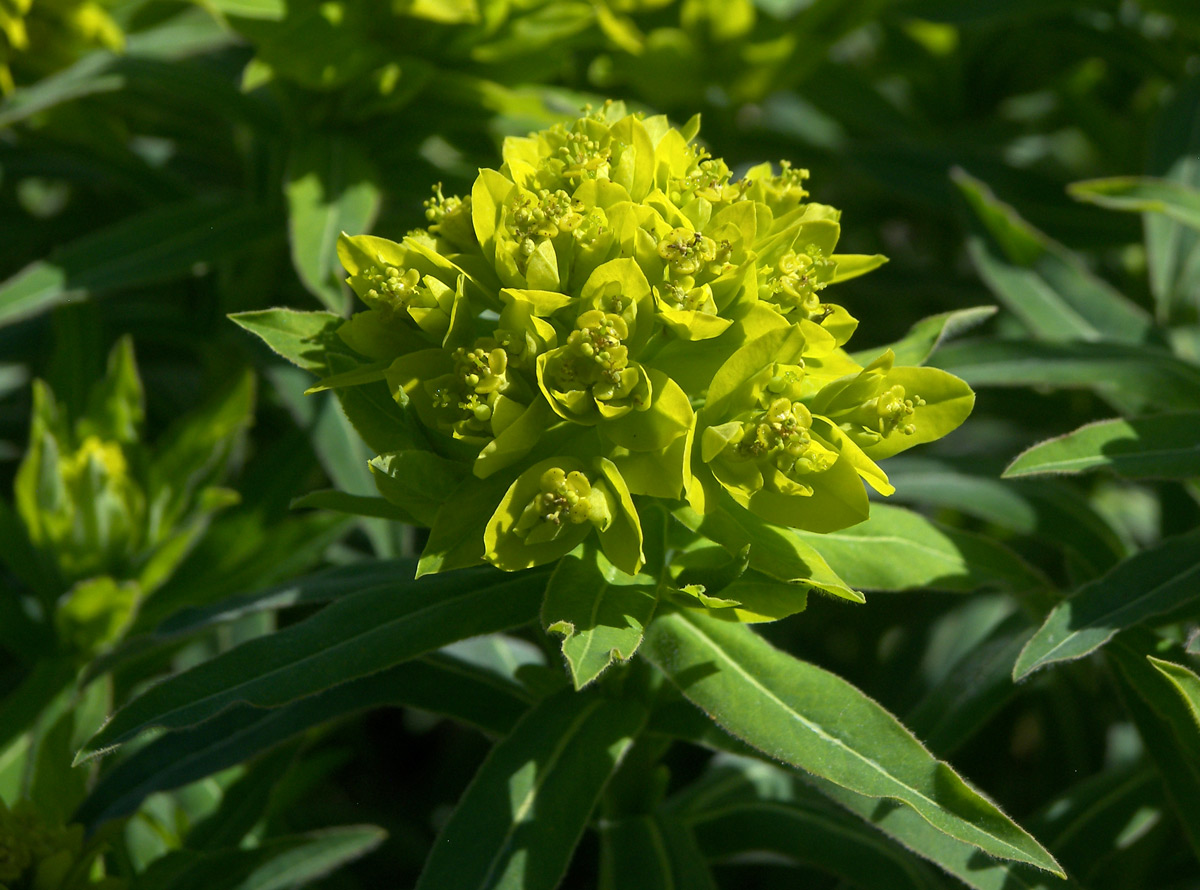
<point x="611" y="316"/>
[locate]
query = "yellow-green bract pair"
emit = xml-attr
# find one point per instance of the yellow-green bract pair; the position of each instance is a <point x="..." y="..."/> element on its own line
<point x="611" y="316"/>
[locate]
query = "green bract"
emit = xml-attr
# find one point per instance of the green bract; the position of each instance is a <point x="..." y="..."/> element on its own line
<point x="609" y="317"/>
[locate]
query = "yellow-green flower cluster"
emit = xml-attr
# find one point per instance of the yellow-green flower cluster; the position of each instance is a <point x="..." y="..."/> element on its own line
<point x="39" y="856"/>
<point x="610" y="316"/>
<point x="49" y="34"/>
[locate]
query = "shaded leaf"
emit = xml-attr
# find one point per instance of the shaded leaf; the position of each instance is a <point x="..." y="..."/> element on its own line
<point x="519" y="820"/>
<point x="654" y="852"/>
<point x="1142" y="194"/>
<point x="355" y="636"/>
<point x="1151" y="583"/>
<point x="927" y="335"/>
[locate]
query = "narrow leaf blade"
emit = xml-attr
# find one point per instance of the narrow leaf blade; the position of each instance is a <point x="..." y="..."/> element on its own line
<point x="1165" y="446"/>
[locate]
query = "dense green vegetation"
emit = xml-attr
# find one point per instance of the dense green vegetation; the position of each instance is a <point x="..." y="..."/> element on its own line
<point x="702" y="693"/>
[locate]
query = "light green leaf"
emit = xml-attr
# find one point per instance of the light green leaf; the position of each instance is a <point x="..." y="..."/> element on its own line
<point x="354" y="636"/>
<point x="1132" y="378"/>
<point x="416" y="481"/>
<point x="300" y="337"/>
<point x="807" y="717"/>
<point x="924" y="337"/>
<point x="1141" y="194"/>
<point x="897" y="549"/>
<point x="851" y="265"/>
<point x="518" y="822"/>
<point x="1165" y="446"/>
<point x="157" y="245"/>
<point x="1151" y="583"/>
<point x="330" y="189"/>
<point x="600" y="612"/>
<point x="774" y="551"/>
<point x="1044" y="284"/>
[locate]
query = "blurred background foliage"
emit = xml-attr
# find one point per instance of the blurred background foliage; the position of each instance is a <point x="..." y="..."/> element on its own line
<point x="164" y="164"/>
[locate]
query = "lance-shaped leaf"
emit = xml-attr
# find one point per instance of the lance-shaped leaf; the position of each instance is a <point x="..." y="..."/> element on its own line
<point x="1166" y="446"/>
<point x="924" y="337"/>
<point x="438" y="683"/>
<point x="1166" y="724"/>
<point x="518" y="822"/>
<point x="158" y="245"/>
<point x="355" y="636"/>
<point x="655" y="852"/>
<point x="599" y="610"/>
<point x="814" y="720"/>
<point x="1152" y="583"/>
<point x="897" y="549"/>
<point x="330" y="190"/>
<point x="1142" y="194"/>
<point x="276" y="864"/>
<point x="743" y="806"/>
<point x="1132" y="378"/>
<point x="1185" y="682"/>
<point x="1044" y="284"/>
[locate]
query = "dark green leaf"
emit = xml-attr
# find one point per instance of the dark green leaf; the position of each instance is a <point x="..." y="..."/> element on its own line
<point x="1151" y="583"/>
<point x="743" y="807"/>
<point x="1132" y="378"/>
<point x="439" y="683"/>
<point x="805" y="716"/>
<point x="654" y="852"/>
<point x="157" y="245"/>
<point x="276" y="864"/>
<point x="355" y="636"/>
<point x="352" y="505"/>
<point x="518" y="822"/>
<point x="1043" y="283"/>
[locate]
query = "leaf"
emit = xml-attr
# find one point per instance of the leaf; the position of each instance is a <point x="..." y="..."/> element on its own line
<point x="897" y="549"/>
<point x="1044" y="284"/>
<point x="156" y="245"/>
<point x="1132" y="378"/>
<point x="1187" y="684"/>
<point x="352" y="505"/>
<point x="811" y="719"/>
<point x="276" y="864"/>
<point x="1165" y="446"/>
<point x="599" y="611"/>
<point x="415" y="481"/>
<point x="1153" y="582"/>
<point x="300" y="337"/>
<point x="244" y="802"/>
<point x="745" y="807"/>
<point x="979" y="683"/>
<point x="1166" y="724"/>
<point x="519" y="820"/>
<point x="330" y="189"/>
<point x="1141" y="194"/>
<point x="1043" y="508"/>
<point x="927" y="335"/>
<point x="653" y="852"/>
<point x="774" y="550"/>
<point x="355" y="636"/>
<point x="438" y="683"/>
